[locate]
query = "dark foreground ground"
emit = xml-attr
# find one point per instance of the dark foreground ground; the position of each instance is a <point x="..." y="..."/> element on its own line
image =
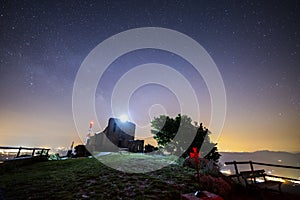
<point x="289" y="193"/>
<point x="87" y="178"/>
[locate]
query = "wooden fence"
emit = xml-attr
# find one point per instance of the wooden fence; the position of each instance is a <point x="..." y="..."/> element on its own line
<point x="251" y="163"/>
<point x="43" y="151"/>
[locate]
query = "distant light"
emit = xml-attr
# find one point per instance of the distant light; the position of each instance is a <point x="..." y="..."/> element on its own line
<point x="279" y="160"/>
<point x="297" y="182"/>
<point x="227" y="172"/>
<point x="275" y="179"/>
<point x="124" y="118"/>
<point x="91" y="124"/>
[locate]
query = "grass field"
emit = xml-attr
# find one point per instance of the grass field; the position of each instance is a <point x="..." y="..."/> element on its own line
<point x="88" y="178"/>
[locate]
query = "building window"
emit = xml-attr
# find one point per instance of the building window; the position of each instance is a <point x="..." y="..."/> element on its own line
<point x="114" y="129"/>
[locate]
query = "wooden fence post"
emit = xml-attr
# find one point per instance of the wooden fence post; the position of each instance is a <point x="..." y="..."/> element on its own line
<point x="252" y="169"/>
<point x="236" y="171"/>
<point x="33" y="152"/>
<point x="47" y="151"/>
<point x="251" y="165"/>
<point x="42" y="151"/>
<point x="18" y="154"/>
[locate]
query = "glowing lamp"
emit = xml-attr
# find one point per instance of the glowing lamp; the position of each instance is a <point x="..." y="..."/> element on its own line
<point x="91" y="124"/>
<point x="124" y="118"/>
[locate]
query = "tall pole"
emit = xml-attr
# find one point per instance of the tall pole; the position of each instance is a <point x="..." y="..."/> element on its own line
<point x="90" y="131"/>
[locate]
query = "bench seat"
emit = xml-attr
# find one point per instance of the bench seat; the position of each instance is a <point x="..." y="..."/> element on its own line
<point x="257" y="178"/>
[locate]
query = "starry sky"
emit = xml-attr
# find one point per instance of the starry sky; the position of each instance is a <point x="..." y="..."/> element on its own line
<point x="254" y="44"/>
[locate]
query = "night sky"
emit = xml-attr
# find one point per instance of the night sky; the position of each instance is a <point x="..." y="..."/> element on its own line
<point x="254" y="44"/>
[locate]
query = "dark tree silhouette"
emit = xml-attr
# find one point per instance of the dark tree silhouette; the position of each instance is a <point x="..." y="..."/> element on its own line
<point x="165" y="129"/>
<point x="150" y="148"/>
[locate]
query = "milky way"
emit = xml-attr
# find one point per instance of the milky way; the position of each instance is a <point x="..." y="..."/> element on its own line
<point x="254" y="44"/>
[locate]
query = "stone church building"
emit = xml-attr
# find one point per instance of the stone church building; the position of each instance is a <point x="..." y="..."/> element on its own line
<point x="117" y="135"/>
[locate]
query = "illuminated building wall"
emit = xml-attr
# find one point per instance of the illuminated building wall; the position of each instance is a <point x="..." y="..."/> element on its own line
<point x="116" y="134"/>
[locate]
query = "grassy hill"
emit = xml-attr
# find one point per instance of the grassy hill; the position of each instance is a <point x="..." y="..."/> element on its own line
<point x="88" y="178"/>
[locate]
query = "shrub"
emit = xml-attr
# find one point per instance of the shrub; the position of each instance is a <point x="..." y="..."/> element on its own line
<point x="204" y="165"/>
<point x="216" y="185"/>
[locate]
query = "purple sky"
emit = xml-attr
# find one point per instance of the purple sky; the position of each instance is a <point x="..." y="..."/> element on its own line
<point x="254" y="44"/>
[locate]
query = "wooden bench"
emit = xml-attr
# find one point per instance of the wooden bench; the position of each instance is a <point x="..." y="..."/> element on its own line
<point x="257" y="178"/>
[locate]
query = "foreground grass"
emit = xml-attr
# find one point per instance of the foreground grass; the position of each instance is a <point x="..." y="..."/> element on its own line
<point x="84" y="178"/>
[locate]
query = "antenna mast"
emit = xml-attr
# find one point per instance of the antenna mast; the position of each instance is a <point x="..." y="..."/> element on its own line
<point x="90" y="131"/>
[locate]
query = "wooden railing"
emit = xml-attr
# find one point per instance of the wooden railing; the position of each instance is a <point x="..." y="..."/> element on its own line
<point x="251" y="163"/>
<point x="43" y="151"/>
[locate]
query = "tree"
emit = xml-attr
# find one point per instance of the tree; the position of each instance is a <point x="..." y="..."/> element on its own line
<point x="175" y="136"/>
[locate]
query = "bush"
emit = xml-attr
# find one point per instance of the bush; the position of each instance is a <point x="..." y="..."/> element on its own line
<point x="204" y="165"/>
<point x="216" y="185"/>
<point x="54" y="157"/>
